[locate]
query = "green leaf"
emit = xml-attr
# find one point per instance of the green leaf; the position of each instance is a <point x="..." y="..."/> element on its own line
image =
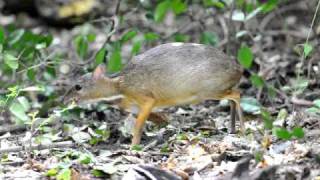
<point x="307" y="49"/>
<point x="24" y="103"/>
<point x="128" y="36"/>
<point x="136" y="148"/>
<point x="245" y="57"/>
<point x="136" y="47"/>
<point x="19" y="111"/>
<point x="178" y="7"/>
<point x="181" y="37"/>
<point x="31" y="74"/>
<point x="250" y="105"/>
<point x="15" y="36"/>
<point x="2" y="101"/>
<point x="64" y="174"/>
<point x="52" y="172"/>
<point x="161" y="10"/>
<point x="313" y="110"/>
<point x="81" y="43"/>
<point x="267" y="119"/>
<point x="151" y="36"/>
<point x="11" y="61"/>
<point x="282" y="133"/>
<point x="91" y="37"/>
<point x="298" y="132"/>
<point x="253" y="13"/>
<point x="85" y="159"/>
<point x="100" y="56"/>
<point x="216" y="3"/>
<point x="317" y="103"/>
<point x="1" y="35"/>
<point x="258" y="156"/>
<point x="269" y="6"/>
<point x="209" y="38"/>
<point x="114" y="63"/>
<point x="98" y="173"/>
<point x="257" y="81"/>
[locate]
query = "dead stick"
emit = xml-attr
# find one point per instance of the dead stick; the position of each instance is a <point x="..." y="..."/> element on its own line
<point x="63" y="144"/>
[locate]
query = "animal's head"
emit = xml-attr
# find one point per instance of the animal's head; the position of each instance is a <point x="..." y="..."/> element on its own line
<point x="93" y="87"/>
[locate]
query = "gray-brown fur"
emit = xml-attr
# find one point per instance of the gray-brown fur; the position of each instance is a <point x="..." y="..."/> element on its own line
<point x="172" y="70"/>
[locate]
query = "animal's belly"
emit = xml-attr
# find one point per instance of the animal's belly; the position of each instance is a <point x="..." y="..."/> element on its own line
<point x="177" y="101"/>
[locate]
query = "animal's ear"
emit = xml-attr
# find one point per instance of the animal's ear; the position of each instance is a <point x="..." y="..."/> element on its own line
<point x="99" y="72"/>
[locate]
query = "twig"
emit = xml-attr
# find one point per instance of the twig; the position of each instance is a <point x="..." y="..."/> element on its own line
<point x="301" y="102"/>
<point x="265" y="21"/>
<point x="64" y="144"/>
<point x="225" y="31"/>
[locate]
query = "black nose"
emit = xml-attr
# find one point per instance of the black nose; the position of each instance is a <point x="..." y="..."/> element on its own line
<point x="77" y="87"/>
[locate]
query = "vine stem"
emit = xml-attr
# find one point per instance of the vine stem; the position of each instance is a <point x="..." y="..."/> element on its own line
<point x="312" y="23"/>
<point x="306" y="42"/>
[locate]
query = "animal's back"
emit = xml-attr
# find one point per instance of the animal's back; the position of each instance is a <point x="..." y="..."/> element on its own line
<point x="180" y="71"/>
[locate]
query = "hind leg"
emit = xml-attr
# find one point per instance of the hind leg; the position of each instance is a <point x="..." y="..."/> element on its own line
<point x="232" y="117"/>
<point x="234" y="97"/>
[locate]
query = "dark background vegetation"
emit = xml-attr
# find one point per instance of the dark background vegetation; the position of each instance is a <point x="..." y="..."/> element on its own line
<point x="45" y="45"/>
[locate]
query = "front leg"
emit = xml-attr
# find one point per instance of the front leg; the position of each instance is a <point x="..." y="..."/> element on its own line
<point x="145" y="110"/>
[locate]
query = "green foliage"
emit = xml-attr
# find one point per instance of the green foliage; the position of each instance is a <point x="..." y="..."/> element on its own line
<point x="307" y="49"/>
<point x="161" y="10"/>
<point x="177" y="6"/>
<point x="81" y="43"/>
<point x="98" y="173"/>
<point x="178" y="37"/>
<point x="2" y="35"/>
<point x="298" y="132"/>
<point x="245" y="57"/>
<point x="64" y="174"/>
<point x="85" y="159"/>
<point x="11" y="61"/>
<point x="209" y="38"/>
<point x="19" y="109"/>
<point x="128" y="36"/>
<point x="258" y="156"/>
<point x="136" y="47"/>
<point x="136" y="148"/>
<point x="315" y="109"/>
<point x="285" y="134"/>
<point x="250" y="105"/>
<point x="215" y="3"/>
<point x="150" y="36"/>
<point x="282" y="133"/>
<point x="269" y="6"/>
<point x="100" y="56"/>
<point x="257" y="80"/>
<point x="52" y="172"/>
<point x="267" y="119"/>
<point x="114" y="62"/>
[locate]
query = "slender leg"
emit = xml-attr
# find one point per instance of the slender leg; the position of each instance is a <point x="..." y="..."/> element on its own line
<point x="240" y="116"/>
<point x="234" y="96"/>
<point x="232" y="117"/>
<point x="145" y="110"/>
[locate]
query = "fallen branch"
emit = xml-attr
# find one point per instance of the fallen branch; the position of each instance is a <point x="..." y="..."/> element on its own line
<point x="64" y="144"/>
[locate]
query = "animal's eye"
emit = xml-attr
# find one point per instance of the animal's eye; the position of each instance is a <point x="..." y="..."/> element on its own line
<point x="77" y="87"/>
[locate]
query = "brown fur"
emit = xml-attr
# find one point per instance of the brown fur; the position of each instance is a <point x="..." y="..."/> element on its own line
<point x="167" y="75"/>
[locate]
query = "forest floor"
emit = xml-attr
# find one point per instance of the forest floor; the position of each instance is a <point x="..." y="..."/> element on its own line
<point x="195" y="143"/>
